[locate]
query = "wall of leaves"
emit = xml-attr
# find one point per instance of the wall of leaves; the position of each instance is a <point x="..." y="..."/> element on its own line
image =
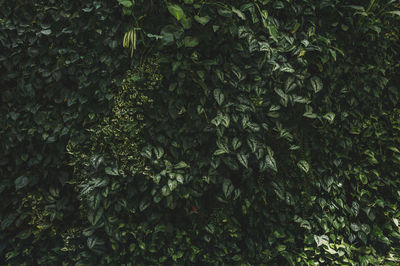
<point x="59" y="63"/>
<point x="230" y="132"/>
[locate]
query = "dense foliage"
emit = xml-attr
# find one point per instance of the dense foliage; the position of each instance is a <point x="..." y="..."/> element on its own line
<point x="248" y="133"/>
<point x="58" y="61"/>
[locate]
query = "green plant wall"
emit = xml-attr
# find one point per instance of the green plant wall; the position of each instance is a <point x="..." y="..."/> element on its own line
<point x="228" y="133"/>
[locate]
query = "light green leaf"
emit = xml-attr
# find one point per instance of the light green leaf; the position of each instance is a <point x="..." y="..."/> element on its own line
<point x="330" y="117"/>
<point x="181" y="165"/>
<point x="159" y="152"/>
<point x="165" y="191"/>
<point x="252" y="144"/>
<point x="219" y="152"/>
<point x="239" y="13"/>
<point x="271" y="163"/>
<point x="219" y="96"/>
<point x="321" y="240"/>
<point x="202" y="20"/>
<point x="236" y="143"/>
<point x="111" y="171"/>
<point x="172" y="184"/>
<point x="242" y="159"/>
<point x="176" y="11"/>
<point x="316" y="84"/>
<point x="273" y="32"/>
<point x="126" y="3"/>
<point x="180" y="178"/>
<point x="46" y="32"/>
<point x="303" y="165"/>
<point x="395" y="12"/>
<point x="354" y="227"/>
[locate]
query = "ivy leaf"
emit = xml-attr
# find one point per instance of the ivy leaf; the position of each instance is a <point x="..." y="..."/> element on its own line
<point x="252" y="144"/>
<point x="227" y="187"/>
<point x="144" y="204"/>
<point x="316" y="84"/>
<point x="126" y="3"/>
<point x="159" y="152"/>
<point x="242" y="159"/>
<point x="21" y="182"/>
<point x="354" y="227"/>
<point x="202" y="20"/>
<point x="303" y="165"/>
<point x="219" y="152"/>
<point x="190" y="41"/>
<point x="219" y="96"/>
<point x="46" y="32"/>
<point x="271" y="164"/>
<point x="321" y="240"/>
<point x="239" y="13"/>
<point x="176" y="11"/>
<point x="236" y="143"/>
<point x="273" y="32"/>
<point x="111" y="171"/>
<point x="395" y="12"/>
<point x="96" y="160"/>
<point x="172" y="184"/>
<point x="330" y="117"/>
<point x="165" y="191"/>
<point x="181" y="165"/>
<point x="98" y="215"/>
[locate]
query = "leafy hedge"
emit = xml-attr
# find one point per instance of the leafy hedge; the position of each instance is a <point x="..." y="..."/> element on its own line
<point x="58" y="61"/>
<point x="256" y="132"/>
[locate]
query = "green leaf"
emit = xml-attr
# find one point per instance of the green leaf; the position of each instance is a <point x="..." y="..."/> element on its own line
<point x="126" y="3"/>
<point x="190" y="41"/>
<point x="144" y="204"/>
<point x="316" y="84"/>
<point x="180" y="178"/>
<point x="181" y="165"/>
<point x="8" y="220"/>
<point x="321" y="240"/>
<point x="111" y="171"/>
<point x="252" y="144"/>
<point x="354" y="227"/>
<point x="165" y="191"/>
<point x="227" y="187"/>
<point x="270" y="163"/>
<point x="242" y="159"/>
<point x="176" y="11"/>
<point x="303" y="165"/>
<point x="330" y="117"/>
<point x="219" y="96"/>
<point x="98" y="215"/>
<point x="21" y="182"/>
<point x="219" y="152"/>
<point x="236" y="143"/>
<point x="172" y="184"/>
<point x="159" y="152"/>
<point x="46" y="32"/>
<point x="202" y="20"/>
<point x="273" y="32"/>
<point x="239" y="13"/>
<point x="395" y="12"/>
<point x="362" y="236"/>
